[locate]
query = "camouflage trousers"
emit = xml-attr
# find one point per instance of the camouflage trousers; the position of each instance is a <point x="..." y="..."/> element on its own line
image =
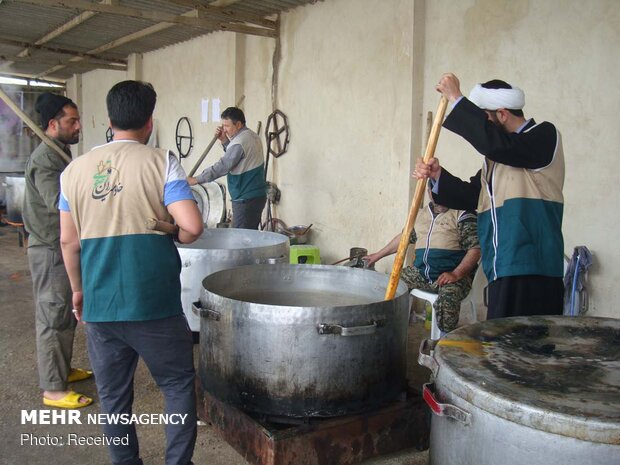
<point x="448" y="304"/>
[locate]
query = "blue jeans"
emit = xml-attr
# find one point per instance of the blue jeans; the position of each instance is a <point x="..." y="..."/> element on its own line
<point x="166" y="347"/>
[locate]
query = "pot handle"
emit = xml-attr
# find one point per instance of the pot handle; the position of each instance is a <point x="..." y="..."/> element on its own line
<point x="272" y="260"/>
<point x="202" y="312"/>
<point x="425" y="357"/>
<point x="444" y="410"/>
<point x="325" y="328"/>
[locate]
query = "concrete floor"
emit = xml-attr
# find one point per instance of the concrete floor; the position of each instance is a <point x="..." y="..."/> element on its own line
<point x="19" y="387"/>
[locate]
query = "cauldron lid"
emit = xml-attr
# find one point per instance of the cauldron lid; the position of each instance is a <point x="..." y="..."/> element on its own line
<point x="554" y="373"/>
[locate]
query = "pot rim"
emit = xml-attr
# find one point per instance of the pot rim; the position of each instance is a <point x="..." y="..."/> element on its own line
<point x="220" y="300"/>
<point x="279" y="240"/>
<point x="572" y="414"/>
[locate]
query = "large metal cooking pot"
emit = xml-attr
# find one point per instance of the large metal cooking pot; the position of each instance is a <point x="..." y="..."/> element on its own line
<point x="15" y="187"/>
<point x="218" y="249"/>
<point x="302" y="340"/>
<point x="526" y="390"/>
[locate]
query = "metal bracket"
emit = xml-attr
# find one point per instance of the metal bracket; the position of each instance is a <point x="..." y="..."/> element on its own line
<point x="202" y="312"/>
<point x="340" y="330"/>
<point x="426" y="358"/>
<point x="444" y="410"/>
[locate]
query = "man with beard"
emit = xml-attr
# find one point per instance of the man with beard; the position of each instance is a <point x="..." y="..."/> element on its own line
<point x="518" y="193"/>
<point x="55" y="325"/>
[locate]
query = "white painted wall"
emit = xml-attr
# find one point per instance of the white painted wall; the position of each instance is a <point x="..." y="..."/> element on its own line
<point x="356" y="80"/>
<point x="89" y="91"/>
<point x="182" y="75"/>
<point x="345" y="84"/>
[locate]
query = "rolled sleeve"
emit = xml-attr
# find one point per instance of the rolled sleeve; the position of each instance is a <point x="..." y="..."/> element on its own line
<point x="176" y="187"/>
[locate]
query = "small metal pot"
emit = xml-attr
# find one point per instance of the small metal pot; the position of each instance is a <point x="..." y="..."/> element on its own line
<point x="299" y="234"/>
<point x="15" y="188"/>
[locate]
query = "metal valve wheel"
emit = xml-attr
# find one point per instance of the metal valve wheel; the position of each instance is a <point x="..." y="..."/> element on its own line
<point x="277" y="133"/>
<point x="183" y="134"/>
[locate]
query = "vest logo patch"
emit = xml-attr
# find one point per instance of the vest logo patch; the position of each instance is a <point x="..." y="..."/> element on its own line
<point x="105" y="181"/>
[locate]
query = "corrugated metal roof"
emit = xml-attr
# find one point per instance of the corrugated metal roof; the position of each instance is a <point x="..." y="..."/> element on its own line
<point x="115" y="32"/>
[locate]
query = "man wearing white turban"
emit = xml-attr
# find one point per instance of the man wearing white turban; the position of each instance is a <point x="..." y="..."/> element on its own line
<point x="518" y="195"/>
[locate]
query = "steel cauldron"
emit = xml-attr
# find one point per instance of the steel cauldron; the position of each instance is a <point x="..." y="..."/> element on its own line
<point x="15" y="188"/>
<point x="218" y="249"/>
<point x="526" y="390"/>
<point x="302" y="340"/>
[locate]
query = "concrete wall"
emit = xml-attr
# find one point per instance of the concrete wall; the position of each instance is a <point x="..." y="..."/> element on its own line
<point x="345" y="84"/>
<point x="356" y="79"/>
<point x="89" y="91"/>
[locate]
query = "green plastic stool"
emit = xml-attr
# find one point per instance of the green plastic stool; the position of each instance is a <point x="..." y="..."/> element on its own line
<point x="305" y="254"/>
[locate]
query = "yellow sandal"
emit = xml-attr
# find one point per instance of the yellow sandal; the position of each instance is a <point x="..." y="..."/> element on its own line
<point x="77" y="374"/>
<point x="71" y="401"/>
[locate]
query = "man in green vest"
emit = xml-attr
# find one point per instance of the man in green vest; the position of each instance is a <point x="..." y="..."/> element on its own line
<point x="243" y="164"/>
<point x="446" y="255"/>
<point x="517" y="193"/>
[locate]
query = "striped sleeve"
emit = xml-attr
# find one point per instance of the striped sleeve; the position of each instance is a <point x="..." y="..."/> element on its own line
<point x="176" y="187"/>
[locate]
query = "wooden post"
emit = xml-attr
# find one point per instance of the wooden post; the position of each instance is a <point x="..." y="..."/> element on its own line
<point x="32" y="125"/>
<point x="415" y="204"/>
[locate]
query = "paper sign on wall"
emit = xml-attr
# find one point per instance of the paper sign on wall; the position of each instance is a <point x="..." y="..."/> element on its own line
<point x="204" y="110"/>
<point x="215" y="110"/>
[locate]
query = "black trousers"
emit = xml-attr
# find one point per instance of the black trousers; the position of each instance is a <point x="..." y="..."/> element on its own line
<point x="166" y="347"/>
<point x="525" y="296"/>
<point x="247" y="213"/>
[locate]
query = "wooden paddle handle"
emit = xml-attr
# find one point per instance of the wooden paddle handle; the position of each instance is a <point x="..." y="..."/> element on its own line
<point x="415" y="204"/>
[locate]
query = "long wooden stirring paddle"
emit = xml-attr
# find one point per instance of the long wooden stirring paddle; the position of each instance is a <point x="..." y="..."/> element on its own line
<point x="415" y="204"/>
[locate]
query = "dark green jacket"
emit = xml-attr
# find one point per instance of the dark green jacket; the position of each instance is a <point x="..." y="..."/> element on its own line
<point x="40" y="210"/>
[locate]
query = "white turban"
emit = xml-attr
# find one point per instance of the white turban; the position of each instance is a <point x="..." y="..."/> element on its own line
<point x="493" y="99"/>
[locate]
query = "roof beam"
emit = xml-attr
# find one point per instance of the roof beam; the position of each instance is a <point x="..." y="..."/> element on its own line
<point x="120" y="41"/>
<point x="76" y="21"/>
<point x="17" y="42"/>
<point x="83" y="63"/>
<point x="226" y="14"/>
<point x="153" y="15"/>
<point x="60" y="30"/>
<point x="4" y="73"/>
